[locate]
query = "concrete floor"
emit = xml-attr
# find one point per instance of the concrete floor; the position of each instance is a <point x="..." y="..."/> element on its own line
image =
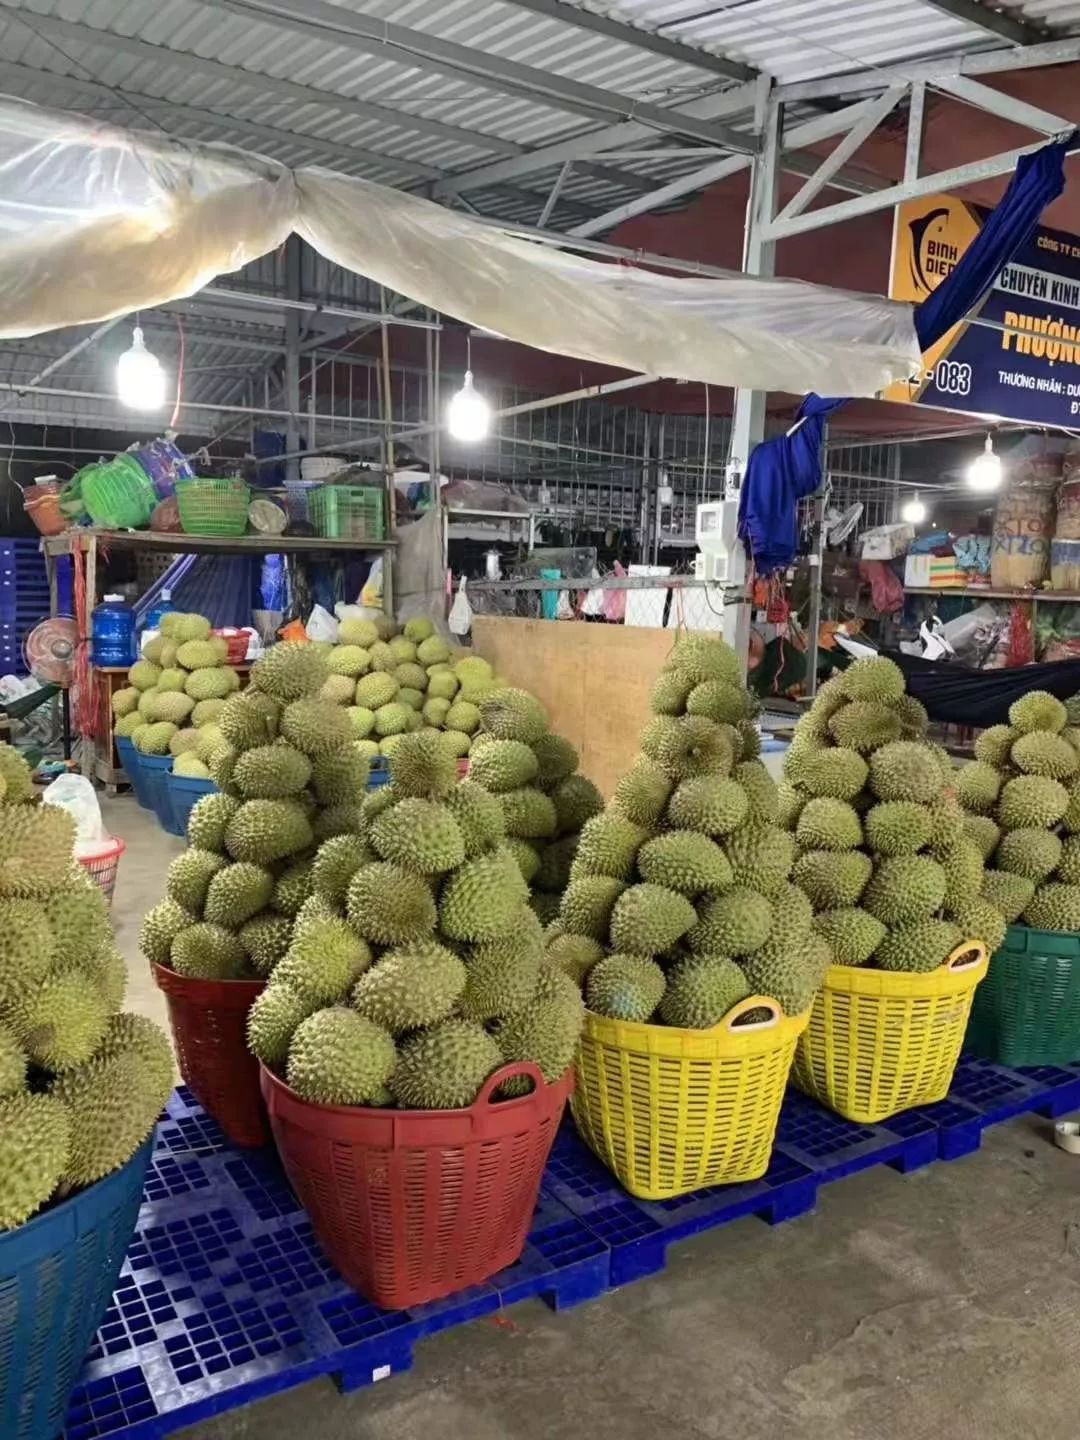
<point x="945" y="1303"/>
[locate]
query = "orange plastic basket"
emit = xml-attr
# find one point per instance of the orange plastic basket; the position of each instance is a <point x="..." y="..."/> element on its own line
<point x="880" y="1041"/>
<point x="669" y="1111"/>
<point x="411" y="1205"/>
<point x="208" y="1019"/>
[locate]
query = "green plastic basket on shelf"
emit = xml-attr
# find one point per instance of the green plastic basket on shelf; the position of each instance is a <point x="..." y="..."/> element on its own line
<point x="117" y="494"/>
<point x="1027" y="1010"/>
<point x="349" y="512"/>
<point x="213" y="506"/>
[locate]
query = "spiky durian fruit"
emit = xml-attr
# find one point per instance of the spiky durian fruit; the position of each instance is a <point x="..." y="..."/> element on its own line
<point x="545" y="1031"/>
<point x="292" y="887"/>
<point x="761" y="857"/>
<point x="575" y="955"/>
<point x="160" y="927"/>
<point x="290" y="671"/>
<point x="905" y="770"/>
<point x="502" y="974"/>
<point x="670" y="692"/>
<point x="587" y="904"/>
<point x="271" y="772"/>
<point x="649" y="919"/>
<point x="609" y="845"/>
<point x="35" y="1141"/>
<point x="61" y="1020"/>
<point x="624" y="987"/>
<point x="481" y="898"/>
<point x="919" y="947"/>
<point x="984" y="832"/>
<point x="992" y="747"/>
<point x="576" y="800"/>
<point x="1038" y="753"/>
<point x="872" y="678"/>
<point x="323" y="962"/>
<point x="684" y="861"/>
<point x="503" y="765"/>
<point x="979" y="920"/>
<point x="832" y="879"/>
<point x="208" y="821"/>
<point x="513" y="715"/>
<point x="266" y="830"/>
<point x="479" y="816"/>
<point x="188" y="877"/>
<point x="443" y="1067"/>
<point x="837" y="774"/>
<point x="337" y="1057"/>
<point x="236" y="893"/>
<point x="208" y="952"/>
<point x="898" y="827"/>
<point x="735" y="923"/>
<point x="1009" y="893"/>
<point x="265" y="939"/>
<point x="35" y="850"/>
<point x="1054" y="907"/>
<point x="792" y="979"/>
<point x="1032" y="853"/>
<point x="978" y="786"/>
<point x="853" y="934"/>
<point x="556" y="760"/>
<point x="963" y="865"/>
<point x="712" y="804"/>
<point x="1038" y="711"/>
<point x="865" y="726"/>
<point x="704" y="657"/>
<point x="529" y="814"/>
<point x="418" y="835"/>
<point x="13" y="1064"/>
<point x="390" y="906"/>
<point x="337" y="861"/>
<point x="272" y="1021"/>
<point x="904" y="889"/>
<point x="423" y="768"/>
<point x="1031" y="802"/>
<point x="826" y="824"/>
<point x="113" y="1102"/>
<point x="690" y="745"/>
<point x="701" y="989"/>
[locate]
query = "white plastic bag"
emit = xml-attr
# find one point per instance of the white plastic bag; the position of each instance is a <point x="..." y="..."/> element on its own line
<point x="460" y="618"/>
<point x="76" y="795"/>
<point x="321" y="625"/>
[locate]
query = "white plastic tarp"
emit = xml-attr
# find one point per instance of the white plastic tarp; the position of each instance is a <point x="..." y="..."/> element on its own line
<point x="97" y="222"/>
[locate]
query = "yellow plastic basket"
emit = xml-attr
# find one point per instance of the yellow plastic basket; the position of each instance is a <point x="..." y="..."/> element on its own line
<point x="879" y="1042"/>
<point x="669" y="1111"/>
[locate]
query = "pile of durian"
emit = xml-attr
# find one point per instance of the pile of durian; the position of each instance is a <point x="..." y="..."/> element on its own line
<point x="81" y="1084"/>
<point x="889" y="863"/>
<point x="544" y="801"/>
<point x="404" y="962"/>
<point x="680" y="902"/>
<point x="1022" y="795"/>
<point x="175" y="693"/>
<point x="394" y="684"/>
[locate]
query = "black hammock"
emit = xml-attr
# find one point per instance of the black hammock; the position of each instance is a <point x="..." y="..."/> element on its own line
<point x="955" y="695"/>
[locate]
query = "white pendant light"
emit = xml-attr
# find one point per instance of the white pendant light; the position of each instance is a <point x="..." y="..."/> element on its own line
<point x="468" y="416"/>
<point x="140" y="380"/>
<point x="913" y="511"/>
<point x="984" y="472"/>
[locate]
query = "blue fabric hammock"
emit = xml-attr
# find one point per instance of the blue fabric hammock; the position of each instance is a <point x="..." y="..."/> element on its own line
<point x="782" y="471"/>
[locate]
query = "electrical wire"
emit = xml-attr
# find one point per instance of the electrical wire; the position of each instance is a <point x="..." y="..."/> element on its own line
<point x="179" y="374"/>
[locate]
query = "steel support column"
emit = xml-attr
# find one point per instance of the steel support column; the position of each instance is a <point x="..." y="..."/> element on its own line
<point x="292" y="357"/>
<point x="759" y="259"/>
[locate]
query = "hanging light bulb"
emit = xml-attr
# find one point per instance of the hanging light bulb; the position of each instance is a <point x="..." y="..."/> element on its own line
<point x="913" y="511"/>
<point x="140" y="380"/>
<point x="468" y="416"/>
<point x="984" y="472"/>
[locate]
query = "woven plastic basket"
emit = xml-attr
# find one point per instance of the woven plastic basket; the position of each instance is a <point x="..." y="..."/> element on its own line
<point x="669" y="1111"/>
<point x="349" y="512"/>
<point x="103" y="866"/>
<point x="57" y="1276"/>
<point x="411" y="1205"/>
<point x="208" y="1019"/>
<point x="880" y="1042"/>
<point x="213" y="506"/>
<point x="140" y="779"/>
<point x="1027" y="1010"/>
<point x="185" y="792"/>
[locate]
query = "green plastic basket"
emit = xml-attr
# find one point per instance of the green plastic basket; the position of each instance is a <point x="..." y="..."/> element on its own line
<point x="1027" y="1010"/>
<point x="118" y="494"/>
<point x="213" y="506"/>
<point x="349" y="512"/>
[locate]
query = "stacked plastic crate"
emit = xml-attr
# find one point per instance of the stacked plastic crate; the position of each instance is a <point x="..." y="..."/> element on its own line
<point x="24" y="598"/>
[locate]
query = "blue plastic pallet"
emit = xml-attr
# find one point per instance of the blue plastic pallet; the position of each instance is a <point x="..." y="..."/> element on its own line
<point x="226" y="1297"/>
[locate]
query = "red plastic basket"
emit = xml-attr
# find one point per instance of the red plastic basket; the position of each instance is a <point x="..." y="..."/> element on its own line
<point x="411" y="1205"/>
<point x="103" y="866"/>
<point x="209" y="1025"/>
<point x="237" y="641"/>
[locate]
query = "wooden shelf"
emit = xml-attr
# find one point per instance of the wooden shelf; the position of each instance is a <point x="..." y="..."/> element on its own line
<point x="978" y="592"/>
<point x="211" y="544"/>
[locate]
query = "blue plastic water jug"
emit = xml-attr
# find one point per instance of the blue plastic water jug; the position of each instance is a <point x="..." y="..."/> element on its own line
<point x="113" y="632"/>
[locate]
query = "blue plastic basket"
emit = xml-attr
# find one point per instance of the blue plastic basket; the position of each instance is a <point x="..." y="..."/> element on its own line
<point x="379" y="774"/>
<point x="155" y="772"/>
<point x="131" y="760"/>
<point x="184" y="792"/>
<point x="57" y="1276"/>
